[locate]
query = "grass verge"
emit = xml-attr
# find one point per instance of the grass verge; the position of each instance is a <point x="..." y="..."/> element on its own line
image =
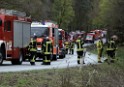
<point x="102" y="75"/>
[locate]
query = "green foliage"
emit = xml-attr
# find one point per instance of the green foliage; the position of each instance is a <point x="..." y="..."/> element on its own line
<point x="37" y="9"/>
<point x="85" y="12"/>
<point x="63" y="12"/>
<point x="75" y="14"/>
<point x="81" y="13"/>
<point x="111" y="16"/>
<point x="102" y="75"/>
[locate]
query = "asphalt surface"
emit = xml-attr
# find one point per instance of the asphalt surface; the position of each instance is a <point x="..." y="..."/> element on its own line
<point x="68" y="61"/>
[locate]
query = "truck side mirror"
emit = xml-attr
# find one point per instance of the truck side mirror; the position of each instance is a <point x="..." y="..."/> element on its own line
<point x="0" y="22"/>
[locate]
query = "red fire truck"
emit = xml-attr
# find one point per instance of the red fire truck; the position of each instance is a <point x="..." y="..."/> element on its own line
<point x="48" y="29"/>
<point x="61" y="37"/>
<point x="93" y="35"/>
<point x="61" y="43"/>
<point x="90" y="37"/>
<point x="14" y="35"/>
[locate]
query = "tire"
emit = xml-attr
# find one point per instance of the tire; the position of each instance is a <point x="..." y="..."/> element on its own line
<point x="1" y="58"/>
<point x="2" y="54"/>
<point x="18" y="61"/>
<point x="60" y="56"/>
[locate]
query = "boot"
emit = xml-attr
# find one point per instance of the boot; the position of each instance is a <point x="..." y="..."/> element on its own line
<point x="32" y="63"/>
<point x="78" y="61"/>
<point x="106" y="60"/>
<point x="48" y="63"/>
<point x="83" y="62"/>
<point x="99" y="62"/>
<point x="112" y="61"/>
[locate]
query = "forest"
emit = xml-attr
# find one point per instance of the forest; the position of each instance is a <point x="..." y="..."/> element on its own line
<point x="74" y="15"/>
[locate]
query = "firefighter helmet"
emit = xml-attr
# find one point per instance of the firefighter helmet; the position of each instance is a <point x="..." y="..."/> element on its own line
<point x="34" y="37"/>
<point x="114" y="37"/>
<point x="47" y="38"/>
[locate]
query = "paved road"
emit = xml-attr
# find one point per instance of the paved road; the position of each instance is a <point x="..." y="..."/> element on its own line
<point x="69" y="61"/>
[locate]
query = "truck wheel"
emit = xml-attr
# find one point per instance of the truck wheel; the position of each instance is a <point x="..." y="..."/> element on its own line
<point x="18" y="61"/>
<point x="60" y="56"/>
<point x="1" y="58"/>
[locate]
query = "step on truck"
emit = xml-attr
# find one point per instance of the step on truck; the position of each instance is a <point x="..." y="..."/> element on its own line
<point x="14" y="35"/>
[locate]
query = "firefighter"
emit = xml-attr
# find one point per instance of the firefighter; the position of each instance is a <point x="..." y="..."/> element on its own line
<point x="111" y="48"/>
<point x="80" y="44"/>
<point x="71" y="47"/>
<point x="99" y="45"/>
<point x="33" y="50"/>
<point x="47" y="51"/>
<point x="66" y="46"/>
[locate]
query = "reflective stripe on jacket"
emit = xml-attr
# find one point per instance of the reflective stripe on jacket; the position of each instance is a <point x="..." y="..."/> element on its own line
<point x="111" y="45"/>
<point x="46" y="60"/>
<point x="71" y="46"/>
<point x="99" y="45"/>
<point x="47" y="47"/>
<point x="33" y="45"/>
<point x="79" y="45"/>
<point x="66" y="44"/>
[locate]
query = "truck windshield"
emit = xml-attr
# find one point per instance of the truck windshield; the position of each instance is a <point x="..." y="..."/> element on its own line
<point x="39" y="31"/>
<point x="89" y="37"/>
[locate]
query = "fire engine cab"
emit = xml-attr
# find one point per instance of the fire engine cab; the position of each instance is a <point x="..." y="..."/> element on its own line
<point x="93" y="35"/>
<point x="14" y="35"/>
<point x="48" y="29"/>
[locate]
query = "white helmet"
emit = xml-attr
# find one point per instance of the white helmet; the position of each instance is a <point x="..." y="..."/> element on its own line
<point x="114" y="37"/>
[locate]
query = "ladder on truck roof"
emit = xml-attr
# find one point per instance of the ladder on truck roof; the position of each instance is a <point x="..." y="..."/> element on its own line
<point x="12" y="12"/>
